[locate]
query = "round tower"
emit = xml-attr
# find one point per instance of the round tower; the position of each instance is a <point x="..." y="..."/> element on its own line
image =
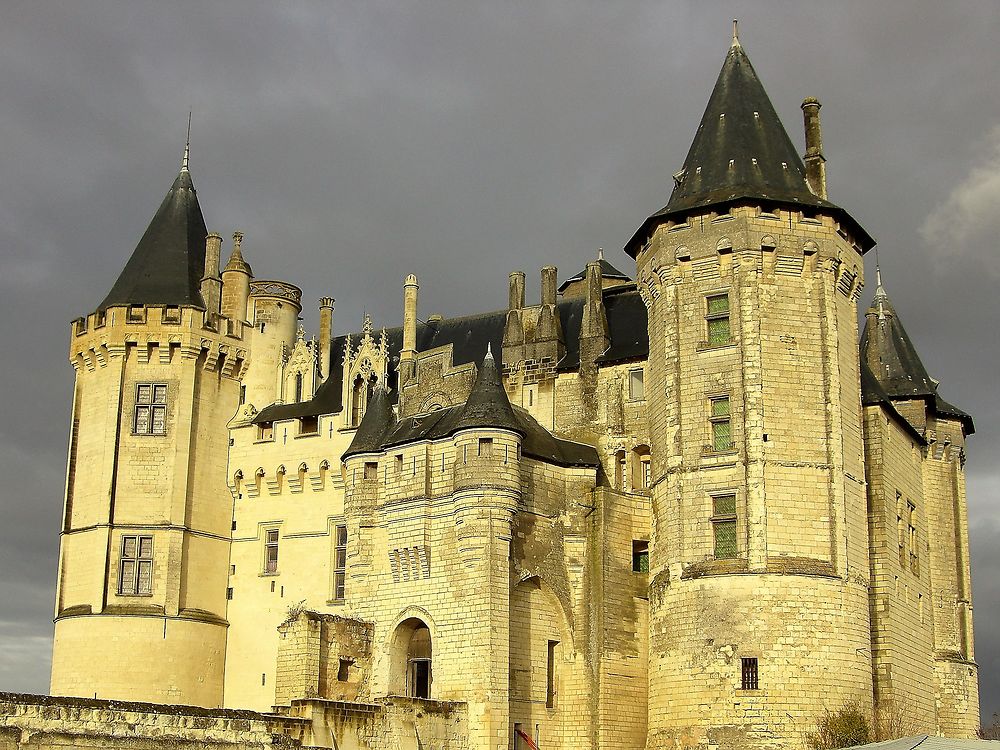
<point x="141" y="599"/>
<point x="236" y="277"/>
<point x="759" y="619"/>
<point x="275" y="308"/>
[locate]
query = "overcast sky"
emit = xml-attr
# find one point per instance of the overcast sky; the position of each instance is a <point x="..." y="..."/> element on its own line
<point x="353" y="143"/>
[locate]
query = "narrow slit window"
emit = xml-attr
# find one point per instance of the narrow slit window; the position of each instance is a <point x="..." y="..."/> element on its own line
<point x="550" y="675"/>
<point x="340" y="563"/>
<point x="724" y="534"/>
<point x="749" y="675"/>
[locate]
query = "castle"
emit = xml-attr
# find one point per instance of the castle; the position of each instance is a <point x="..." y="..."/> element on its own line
<point x="684" y="509"/>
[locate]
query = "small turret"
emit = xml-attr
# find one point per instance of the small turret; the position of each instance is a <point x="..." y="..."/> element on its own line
<point x="236" y="278"/>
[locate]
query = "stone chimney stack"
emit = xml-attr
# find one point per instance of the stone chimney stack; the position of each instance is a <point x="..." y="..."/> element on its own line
<point x="408" y="354"/>
<point x="515" y="299"/>
<point x="549" y="285"/>
<point x="211" y="282"/>
<point x="325" y="336"/>
<point x="814" y="159"/>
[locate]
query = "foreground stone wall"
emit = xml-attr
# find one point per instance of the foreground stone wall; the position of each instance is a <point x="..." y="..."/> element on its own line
<point x="44" y="723"/>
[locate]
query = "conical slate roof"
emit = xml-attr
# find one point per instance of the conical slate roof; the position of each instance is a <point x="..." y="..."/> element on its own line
<point x="237" y="263"/>
<point x="893" y="360"/>
<point x="488" y="405"/>
<point x="741" y="151"/>
<point x="377" y="422"/>
<point x="168" y="263"/>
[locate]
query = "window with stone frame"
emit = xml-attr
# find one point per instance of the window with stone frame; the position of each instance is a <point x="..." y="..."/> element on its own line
<point x="340" y="563"/>
<point x="150" y="416"/>
<point x="721" y="423"/>
<point x="717" y="319"/>
<point x="135" y="568"/>
<point x="911" y="534"/>
<point x="636" y="385"/>
<point x="271" y="551"/>
<point x="724" y="527"/>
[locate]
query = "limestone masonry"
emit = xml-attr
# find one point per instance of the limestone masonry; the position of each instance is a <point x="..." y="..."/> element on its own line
<point x="675" y="508"/>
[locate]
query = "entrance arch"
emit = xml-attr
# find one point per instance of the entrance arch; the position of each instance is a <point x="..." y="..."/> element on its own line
<point x="410" y="670"/>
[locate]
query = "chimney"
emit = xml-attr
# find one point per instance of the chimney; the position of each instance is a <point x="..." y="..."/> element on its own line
<point x="814" y="160"/>
<point x="594" y="338"/>
<point x="515" y="298"/>
<point x="408" y="354"/>
<point x="549" y="285"/>
<point x="211" y="283"/>
<point x="325" y="337"/>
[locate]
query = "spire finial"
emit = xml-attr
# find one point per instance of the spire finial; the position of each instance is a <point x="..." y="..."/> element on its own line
<point x="187" y="146"/>
<point x="600" y="253"/>
<point x="736" y="32"/>
<point x="489" y="350"/>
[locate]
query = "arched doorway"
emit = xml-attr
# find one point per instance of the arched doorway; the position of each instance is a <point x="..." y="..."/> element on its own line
<point x="411" y="670"/>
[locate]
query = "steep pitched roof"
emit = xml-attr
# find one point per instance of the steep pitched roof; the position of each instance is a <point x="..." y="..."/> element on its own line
<point x="608" y="271"/>
<point x="167" y="265"/>
<point x="487" y="405"/>
<point x="893" y="360"/>
<point x="740" y="151"/>
<point x="378" y="421"/>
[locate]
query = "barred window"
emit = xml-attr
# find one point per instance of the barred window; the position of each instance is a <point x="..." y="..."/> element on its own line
<point x="340" y="563"/>
<point x="720" y="419"/>
<point x="135" y="571"/>
<point x="724" y="526"/>
<point x="271" y="551"/>
<point x="749" y="679"/>
<point x="150" y="409"/>
<point x="717" y="319"/>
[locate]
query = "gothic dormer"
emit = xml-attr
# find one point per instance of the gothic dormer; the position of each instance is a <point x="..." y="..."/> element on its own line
<point x="301" y="369"/>
<point x="366" y="366"/>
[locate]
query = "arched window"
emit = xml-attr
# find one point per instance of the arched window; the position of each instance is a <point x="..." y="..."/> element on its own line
<point x="357" y="401"/>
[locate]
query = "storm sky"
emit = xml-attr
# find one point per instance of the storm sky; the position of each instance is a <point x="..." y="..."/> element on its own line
<point x="354" y="143"/>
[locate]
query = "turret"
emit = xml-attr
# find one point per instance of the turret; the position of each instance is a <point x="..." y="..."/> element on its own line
<point x="145" y="541"/>
<point x="751" y="281"/>
<point x="275" y="308"/>
<point x="236" y="277"/>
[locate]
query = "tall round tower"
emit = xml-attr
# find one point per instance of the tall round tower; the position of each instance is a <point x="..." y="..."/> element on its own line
<point x="141" y="600"/>
<point x="759" y="561"/>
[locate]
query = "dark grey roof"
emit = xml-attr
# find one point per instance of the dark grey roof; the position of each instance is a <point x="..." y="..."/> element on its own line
<point x="470" y="336"/>
<point x="873" y="394"/>
<point x="893" y="360"/>
<point x="741" y="152"/>
<point x="167" y="265"/>
<point x="487" y="405"/>
<point x="377" y="422"/>
<point x="608" y="271"/>
<point x="536" y="441"/>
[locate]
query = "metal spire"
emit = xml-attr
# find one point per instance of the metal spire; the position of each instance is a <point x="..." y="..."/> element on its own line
<point x="489" y="350"/>
<point x="187" y="146"/>
<point x="736" y="33"/>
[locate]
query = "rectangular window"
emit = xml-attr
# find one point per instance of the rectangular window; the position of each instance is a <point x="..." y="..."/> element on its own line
<point x="640" y="556"/>
<point x="229" y="593"/>
<point x="371" y="470"/>
<point x="150" y="409"/>
<point x="550" y="675"/>
<point x="265" y="431"/>
<point x="645" y="471"/>
<point x="717" y="319"/>
<point x="135" y="571"/>
<point x="721" y="421"/>
<point x="724" y="527"/>
<point x="344" y="670"/>
<point x="271" y="551"/>
<point x="243" y="395"/>
<point x="636" y="385"/>
<point x="900" y="532"/>
<point x="750" y="680"/>
<point x="308" y="425"/>
<point x="486" y="447"/>
<point x="171" y="314"/>
<point x="340" y="563"/>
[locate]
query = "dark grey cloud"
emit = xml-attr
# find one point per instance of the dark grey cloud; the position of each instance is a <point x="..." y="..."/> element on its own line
<point x="356" y="142"/>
